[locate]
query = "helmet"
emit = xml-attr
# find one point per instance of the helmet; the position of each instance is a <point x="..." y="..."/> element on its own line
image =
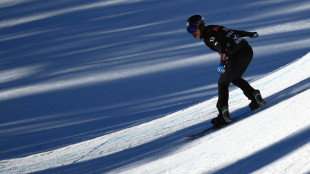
<point x="194" y="22"/>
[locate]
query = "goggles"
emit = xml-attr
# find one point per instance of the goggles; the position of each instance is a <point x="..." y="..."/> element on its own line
<point x="191" y="30"/>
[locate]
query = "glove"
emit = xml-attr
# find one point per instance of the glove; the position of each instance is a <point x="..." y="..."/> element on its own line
<point x="254" y="35"/>
<point x="221" y="69"/>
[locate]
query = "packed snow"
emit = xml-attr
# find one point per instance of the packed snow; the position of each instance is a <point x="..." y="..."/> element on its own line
<point x="114" y="86"/>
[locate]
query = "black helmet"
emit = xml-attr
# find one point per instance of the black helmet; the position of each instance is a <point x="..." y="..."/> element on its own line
<point x="194" y="22"/>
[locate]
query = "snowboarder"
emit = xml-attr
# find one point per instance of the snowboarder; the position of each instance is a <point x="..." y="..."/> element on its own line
<point x="235" y="56"/>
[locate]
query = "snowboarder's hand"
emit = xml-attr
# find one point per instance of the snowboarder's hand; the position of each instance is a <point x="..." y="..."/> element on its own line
<point x="254" y="35"/>
<point x="221" y="69"/>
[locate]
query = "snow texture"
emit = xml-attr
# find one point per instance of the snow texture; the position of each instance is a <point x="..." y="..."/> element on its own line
<point x="112" y="86"/>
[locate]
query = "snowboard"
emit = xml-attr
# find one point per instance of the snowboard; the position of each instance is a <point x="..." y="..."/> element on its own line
<point x="200" y="134"/>
<point x="207" y="130"/>
<point x="213" y="128"/>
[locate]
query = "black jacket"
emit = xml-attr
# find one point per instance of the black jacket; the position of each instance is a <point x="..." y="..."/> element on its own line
<point x="224" y="40"/>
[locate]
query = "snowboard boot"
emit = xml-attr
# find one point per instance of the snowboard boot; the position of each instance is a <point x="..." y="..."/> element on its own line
<point x="218" y="121"/>
<point x="223" y="117"/>
<point x="257" y="101"/>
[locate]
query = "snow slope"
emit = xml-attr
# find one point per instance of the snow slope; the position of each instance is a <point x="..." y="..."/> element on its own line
<point x="269" y="140"/>
<point x="113" y="86"/>
<point x="273" y="140"/>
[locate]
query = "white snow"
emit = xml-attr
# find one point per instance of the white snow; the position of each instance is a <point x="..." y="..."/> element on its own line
<point x="258" y="140"/>
<point x="274" y="140"/>
<point x="85" y="93"/>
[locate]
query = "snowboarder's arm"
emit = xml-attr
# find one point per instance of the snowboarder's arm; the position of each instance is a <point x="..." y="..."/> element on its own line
<point x="223" y="59"/>
<point x="221" y="67"/>
<point x="246" y="33"/>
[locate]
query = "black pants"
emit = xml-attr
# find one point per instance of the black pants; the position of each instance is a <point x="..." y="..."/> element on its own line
<point x="236" y="65"/>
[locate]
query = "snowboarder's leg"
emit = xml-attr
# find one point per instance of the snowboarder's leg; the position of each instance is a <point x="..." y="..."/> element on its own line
<point x="239" y="63"/>
<point x="245" y="87"/>
<point x="223" y="93"/>
<point x="223" y="117"/>
<point x="257" y="102"/>
<point x="222" y="104"/>
<point x="256" y="98"/>
<point x="224" y="112"/>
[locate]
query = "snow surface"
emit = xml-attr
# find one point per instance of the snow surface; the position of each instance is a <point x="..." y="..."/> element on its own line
<point x="113" y="86"/>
